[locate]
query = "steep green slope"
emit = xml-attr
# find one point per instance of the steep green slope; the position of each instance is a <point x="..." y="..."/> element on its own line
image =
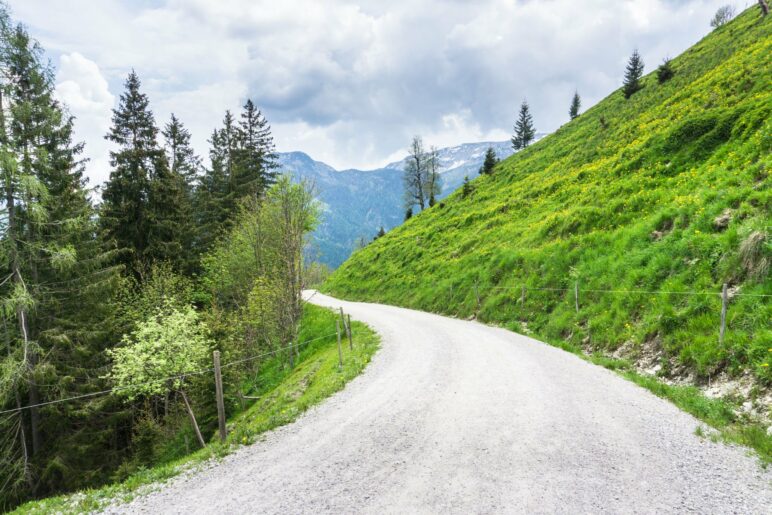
<point x="624" y="200"/>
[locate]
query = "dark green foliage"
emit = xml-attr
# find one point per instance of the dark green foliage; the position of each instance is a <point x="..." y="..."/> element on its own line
<point x="576" y="103"/>
<point x="633" y="74"/>
<point x="490" y="162"/>
<point x="409" y="213"/>
<point x="145" y="204"/>
<point x="466" y="188"/>
<point x="524" y="129"/>
<point x="56" y="289"/>
<point x="381" y="232"/>
<point x="665" y="71"/>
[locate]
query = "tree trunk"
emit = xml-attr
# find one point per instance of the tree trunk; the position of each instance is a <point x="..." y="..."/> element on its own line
<point x="23" y="444"/>
<point x="764" y="7"/>
<point x="193" y="419"/>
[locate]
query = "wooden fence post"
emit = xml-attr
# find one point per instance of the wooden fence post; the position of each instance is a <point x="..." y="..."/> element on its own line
<point x="724" y="302"/>
<point x="522" y="295"/>
<point x="348" y="330"/>
<point x="576" y="296"/>
<point x="218" y="391"/>
<point x="340" y="352"/>
<point x="477" y="294"/>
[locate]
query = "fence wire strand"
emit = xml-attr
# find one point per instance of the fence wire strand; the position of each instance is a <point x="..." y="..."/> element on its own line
<point x="169" y="378"/>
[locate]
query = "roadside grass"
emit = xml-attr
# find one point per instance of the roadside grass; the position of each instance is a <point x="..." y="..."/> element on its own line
<point x="283" y="395"/>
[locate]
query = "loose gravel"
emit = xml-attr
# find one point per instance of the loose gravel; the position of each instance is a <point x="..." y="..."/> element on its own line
<point x="454" y="416"/>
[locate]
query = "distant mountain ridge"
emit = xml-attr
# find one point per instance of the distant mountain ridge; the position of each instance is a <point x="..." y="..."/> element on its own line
<point x="356" y="203"/>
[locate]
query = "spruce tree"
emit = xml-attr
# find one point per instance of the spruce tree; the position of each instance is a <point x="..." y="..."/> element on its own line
<point x="125" y="212"/>
<point x="633" y="74"/>
<point x="178" y="186"/>
<point x="576" y="103"/>
<point x="55" y="276"/>
<point x="524" y="130"/>
<point x="466" y="188"/>
<point x="489" y="163"/>
<point x="255" y="157"/>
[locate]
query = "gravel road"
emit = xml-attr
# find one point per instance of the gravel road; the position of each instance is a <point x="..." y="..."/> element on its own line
<point x="454" y="416"/>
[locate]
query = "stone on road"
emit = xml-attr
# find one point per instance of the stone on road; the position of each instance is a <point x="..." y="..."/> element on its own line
<point x="455" y="416"/>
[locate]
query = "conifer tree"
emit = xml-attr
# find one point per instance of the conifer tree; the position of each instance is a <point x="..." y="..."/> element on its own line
<point x="255" y="157"/>
<point x="576" y="103"/>
<point x="178" y="186"/>
<point x="54" y="268"/>
<point x="125" y="212"/>
<point x="524" y="130"/>
<point x="489" y="163"/>
<point x="466" y="188"/>
<point x="633" y="74"/>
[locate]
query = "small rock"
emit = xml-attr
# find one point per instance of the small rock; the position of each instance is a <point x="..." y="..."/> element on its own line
<point x="721" y="222"/>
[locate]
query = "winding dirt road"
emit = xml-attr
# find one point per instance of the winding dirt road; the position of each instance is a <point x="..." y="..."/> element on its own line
<point x="454" y="416"/>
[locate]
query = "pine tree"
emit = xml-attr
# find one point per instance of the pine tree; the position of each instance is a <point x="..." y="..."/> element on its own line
<point x="489" y="163"/>
<point x="408" y="213"/>
<point x="524" y="130"/>
<point x="255" y="157"/>
<point x="180" y="155"/>
<point x="633" y="74"/>
<point x="178" y="186"/>
<point x="576" y="103"/>
<point x="125" y="212"/>
<point x="665" y="71"/>
<point x="466" y="188"/>
<point x="55" y="275"/>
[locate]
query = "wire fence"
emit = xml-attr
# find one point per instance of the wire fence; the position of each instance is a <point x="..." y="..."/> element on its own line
<point x="161" y="380"/>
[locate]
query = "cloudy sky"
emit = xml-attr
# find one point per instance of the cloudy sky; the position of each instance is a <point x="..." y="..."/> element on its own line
<point x="350" y="82"/>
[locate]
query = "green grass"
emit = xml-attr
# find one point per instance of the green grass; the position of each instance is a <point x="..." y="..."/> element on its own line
<point x="284" y="394"/>
<point x="622" y="198"/>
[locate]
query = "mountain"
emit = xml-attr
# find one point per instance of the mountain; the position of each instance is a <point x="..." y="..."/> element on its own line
<point x="356" y="203"/>
<point x="666" y="192"/>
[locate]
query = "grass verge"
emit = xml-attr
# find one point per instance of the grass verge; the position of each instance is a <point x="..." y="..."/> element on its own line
<point x="283" y="395"/>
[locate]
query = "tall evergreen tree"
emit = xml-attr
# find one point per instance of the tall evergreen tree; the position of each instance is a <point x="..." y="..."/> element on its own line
<point x="125" y="212"/>
<point x="255" y="157"/>
<point x="489" y="163"/>
<point x="53" y="292"/>
<point x="178" y="188"/>
<point x="144" y="202"/>
<point x="633" y="74"/>
<point x="576" y="103"/>
<point x="524" y="130"/>
<point x="180" y="155"/>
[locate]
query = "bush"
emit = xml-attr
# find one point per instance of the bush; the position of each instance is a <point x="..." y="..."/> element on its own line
<point x="665" y="72"/>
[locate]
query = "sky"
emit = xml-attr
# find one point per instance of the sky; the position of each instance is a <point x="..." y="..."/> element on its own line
<point x="350" y="83"/>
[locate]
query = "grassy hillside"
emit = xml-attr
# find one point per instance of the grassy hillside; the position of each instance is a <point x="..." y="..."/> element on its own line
<point x="668" y="191"/>
<point x="282" y="395"/>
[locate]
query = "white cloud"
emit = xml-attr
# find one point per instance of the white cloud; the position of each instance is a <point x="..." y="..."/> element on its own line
<point x="84" y="90"/>
<point x="351" y="82"/>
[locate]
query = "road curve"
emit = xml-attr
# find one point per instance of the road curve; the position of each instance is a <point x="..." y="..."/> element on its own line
<point x="455" y="416"/>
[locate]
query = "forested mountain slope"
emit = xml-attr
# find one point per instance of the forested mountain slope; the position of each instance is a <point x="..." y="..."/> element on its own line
<point x="650" y="204"/>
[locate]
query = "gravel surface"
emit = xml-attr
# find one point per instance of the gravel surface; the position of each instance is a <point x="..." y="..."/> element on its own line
<point x="455" y="416"/>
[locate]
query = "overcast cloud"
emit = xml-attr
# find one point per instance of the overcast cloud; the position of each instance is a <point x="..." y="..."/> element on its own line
<point x="350" y="83"/>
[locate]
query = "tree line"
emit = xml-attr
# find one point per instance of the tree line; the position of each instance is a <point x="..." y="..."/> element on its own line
<point x="178" y="259"/>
